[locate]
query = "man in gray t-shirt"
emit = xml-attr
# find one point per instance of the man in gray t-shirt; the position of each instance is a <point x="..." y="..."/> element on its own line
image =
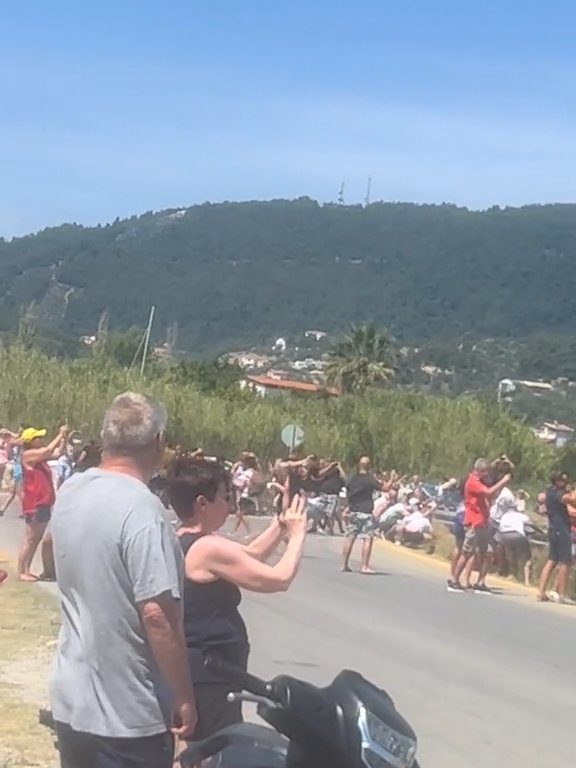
<point x="120" y="681"/>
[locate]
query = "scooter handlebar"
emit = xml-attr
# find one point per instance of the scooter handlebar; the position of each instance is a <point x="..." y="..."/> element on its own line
<point x="243" y="680"/>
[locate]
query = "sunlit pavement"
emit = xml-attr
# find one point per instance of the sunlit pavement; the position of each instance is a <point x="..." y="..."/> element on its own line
<point x="486" y="681"/>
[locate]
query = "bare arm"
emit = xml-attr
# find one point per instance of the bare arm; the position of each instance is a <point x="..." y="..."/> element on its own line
<point x="493" y="490"/>
<point x="326" y="471"/>
<point x="274" y="485"/>
<point x="33" y="455"/>
<point x="293" y="464"/>
<point x="263" y="546"/>
<point x="162" y="623"/>
<point x="386" y="485"/>
<point x="228" y="560"/>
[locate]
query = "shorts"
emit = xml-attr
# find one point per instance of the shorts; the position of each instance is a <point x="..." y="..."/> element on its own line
<point x="323" y="505"/>
<point x="249" y="505"/>
<point x="85" y="750"/>
<point x="517" y="544"/>
<point x="477" y="541"/>
<point x="214" y="710"/>
<point x="361" y="525"/>
<point x="560" y="547"/>
<point x="459" y="533"/>
<point x="41" y="515"/>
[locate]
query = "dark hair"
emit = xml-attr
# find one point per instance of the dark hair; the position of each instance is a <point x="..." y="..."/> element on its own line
<point x="193" y="478"/>
<point x="555" y="476"/>
<point x="251" y="462"/>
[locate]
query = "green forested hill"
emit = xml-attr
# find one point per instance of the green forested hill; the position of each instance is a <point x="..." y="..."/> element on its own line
<point x="235" y="273"/>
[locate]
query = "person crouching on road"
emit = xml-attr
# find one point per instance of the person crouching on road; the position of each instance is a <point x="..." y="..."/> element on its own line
<point x="477" y="541"/>
<point x="416" y="528"/>
<point x="38" y="498"/>
<point x="515" y="542"/>
<point x="216" y="568"/>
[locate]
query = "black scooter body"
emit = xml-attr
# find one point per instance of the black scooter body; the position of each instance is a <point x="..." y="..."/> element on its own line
<point x="313" y="727"/>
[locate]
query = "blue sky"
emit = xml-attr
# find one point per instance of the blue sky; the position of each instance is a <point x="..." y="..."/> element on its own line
<point x="114" y="108"/>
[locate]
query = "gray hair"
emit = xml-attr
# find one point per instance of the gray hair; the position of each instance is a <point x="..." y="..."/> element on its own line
<point x="132" y="423"/>
<point x="481" y="464"/>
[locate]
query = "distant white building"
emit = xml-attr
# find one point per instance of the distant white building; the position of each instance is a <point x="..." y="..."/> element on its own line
<point x="304" y="365"/>
<point x="279" y="345"/>
<point x="316" y="335"/>
<point x="555" y="434"/>
<point x="249" y="360"/>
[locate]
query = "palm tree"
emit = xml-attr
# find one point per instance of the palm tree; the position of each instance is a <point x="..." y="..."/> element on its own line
<point x="363" y="358"/>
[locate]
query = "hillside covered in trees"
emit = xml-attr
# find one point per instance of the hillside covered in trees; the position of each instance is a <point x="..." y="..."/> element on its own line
<point x="241" y="273"/>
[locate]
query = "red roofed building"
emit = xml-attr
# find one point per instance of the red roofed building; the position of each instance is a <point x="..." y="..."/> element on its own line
<point x="266" y="386"/>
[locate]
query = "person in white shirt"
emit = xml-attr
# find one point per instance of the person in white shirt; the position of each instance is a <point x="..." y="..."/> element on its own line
<point x="521" y="500"/>
<point x="515" y="542"/>
<point x="503" y="503"/>
<point x="388" y="512"/>
<point x="416" y="527"/>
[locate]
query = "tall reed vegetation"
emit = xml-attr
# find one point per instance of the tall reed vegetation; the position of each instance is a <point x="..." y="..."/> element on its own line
<point x="432" y="435"/>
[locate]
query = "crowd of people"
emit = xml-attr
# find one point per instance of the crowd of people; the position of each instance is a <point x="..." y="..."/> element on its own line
<point x="32" y="469"/>
<point x="130" y="672"/>
<point x="492" y="529"/>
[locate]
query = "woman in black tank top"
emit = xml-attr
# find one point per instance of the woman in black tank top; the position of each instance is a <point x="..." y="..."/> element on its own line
<point x="215" y="569"/>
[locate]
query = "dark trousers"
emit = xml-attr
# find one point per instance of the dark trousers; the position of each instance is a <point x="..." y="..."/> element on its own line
<point x="84" y="750"/>
<point x="214" y="710"/>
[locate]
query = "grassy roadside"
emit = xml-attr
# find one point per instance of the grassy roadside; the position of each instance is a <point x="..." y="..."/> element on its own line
<point x="28" y="628"/>
<point x="445" y="544"/>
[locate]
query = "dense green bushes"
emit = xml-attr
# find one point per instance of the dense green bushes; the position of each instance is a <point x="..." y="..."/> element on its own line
<point x="431" y="435"/>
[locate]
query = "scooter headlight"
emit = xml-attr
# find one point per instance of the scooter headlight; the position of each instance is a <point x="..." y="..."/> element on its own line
<point x="382" y="746"/>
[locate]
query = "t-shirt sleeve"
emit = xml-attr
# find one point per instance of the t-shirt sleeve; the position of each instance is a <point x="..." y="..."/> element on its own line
<point x="475" y="487"/>
<point x="152" y="561"/>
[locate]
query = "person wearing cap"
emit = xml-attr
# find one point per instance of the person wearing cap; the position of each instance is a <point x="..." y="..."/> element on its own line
<point x="38" y="497"/>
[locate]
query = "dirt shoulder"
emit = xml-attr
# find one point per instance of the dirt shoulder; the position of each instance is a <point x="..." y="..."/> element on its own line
<point x="29" y="622"/>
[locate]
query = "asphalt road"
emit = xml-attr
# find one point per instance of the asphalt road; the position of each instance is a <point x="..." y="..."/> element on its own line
<point x="487" y="682"/>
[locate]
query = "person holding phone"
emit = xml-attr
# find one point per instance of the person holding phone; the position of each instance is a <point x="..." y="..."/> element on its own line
<point x="38" y="498"/>
<point x="216" y="570"/>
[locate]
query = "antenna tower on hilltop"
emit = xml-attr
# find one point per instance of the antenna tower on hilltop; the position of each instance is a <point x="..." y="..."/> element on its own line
<point x="368" y="191"/>
<point x="341" y="194"/>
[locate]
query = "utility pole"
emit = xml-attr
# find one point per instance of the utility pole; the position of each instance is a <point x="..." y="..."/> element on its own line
<point x="147" y="340"/>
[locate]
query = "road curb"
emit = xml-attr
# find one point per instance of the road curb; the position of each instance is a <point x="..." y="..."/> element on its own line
<point x="421" y="557"/>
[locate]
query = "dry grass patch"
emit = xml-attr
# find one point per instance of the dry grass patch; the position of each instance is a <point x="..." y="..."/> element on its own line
<point x="28" y="628"/>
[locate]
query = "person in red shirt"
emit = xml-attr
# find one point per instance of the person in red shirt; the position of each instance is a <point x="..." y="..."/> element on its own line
<point x="38" y="497"/>
<point x="477" y="496"/>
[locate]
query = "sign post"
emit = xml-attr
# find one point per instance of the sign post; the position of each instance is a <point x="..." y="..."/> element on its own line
<point x="292" y="436"/>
